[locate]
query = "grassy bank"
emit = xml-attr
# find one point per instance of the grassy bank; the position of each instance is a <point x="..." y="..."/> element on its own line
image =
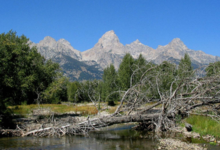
<point x="204" y="125"/>
<point x="57" y="108"/>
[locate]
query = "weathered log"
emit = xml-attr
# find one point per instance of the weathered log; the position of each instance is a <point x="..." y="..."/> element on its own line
<point x="95" y="123"/>
<point x="204" y="103"/>
<point x="45" y="129"/>
<point x="106" y="121"/>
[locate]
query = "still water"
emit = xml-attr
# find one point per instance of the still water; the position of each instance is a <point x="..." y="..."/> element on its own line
<point x="118" y="137"/>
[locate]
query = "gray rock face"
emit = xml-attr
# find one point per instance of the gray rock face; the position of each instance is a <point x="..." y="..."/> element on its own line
<point x="78" y="70"/>
<point x="68" y="58"/>
<point x="136" y="48"/>
<point x="177" y="50"/>
<point x="109" y="50"/>
<point x="50" y="48"/>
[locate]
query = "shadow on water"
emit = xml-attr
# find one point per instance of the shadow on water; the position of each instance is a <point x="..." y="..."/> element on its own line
<point x="118" y="137"/>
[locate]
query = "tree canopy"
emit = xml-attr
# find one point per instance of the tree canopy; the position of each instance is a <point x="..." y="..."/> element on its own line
<point x="24" y="73"/>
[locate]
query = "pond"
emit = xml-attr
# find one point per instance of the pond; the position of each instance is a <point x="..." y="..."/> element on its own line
<point x="118" y="137"/>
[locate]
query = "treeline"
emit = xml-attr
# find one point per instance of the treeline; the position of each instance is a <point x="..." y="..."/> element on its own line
<point x="114" y="83"/>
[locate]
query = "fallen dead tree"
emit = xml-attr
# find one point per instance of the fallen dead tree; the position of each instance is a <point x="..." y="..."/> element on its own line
<point x="84" y="127"/>
<point x="78" y="128"/>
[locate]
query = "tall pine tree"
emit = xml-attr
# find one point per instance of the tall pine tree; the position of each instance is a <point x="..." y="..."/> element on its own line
<point x="110" y="84"/>
<point x="185" y="68"/>
<point x="125" y="71"/>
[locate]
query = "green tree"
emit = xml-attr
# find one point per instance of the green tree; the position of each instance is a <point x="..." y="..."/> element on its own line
<point x="72" y="91"/>
<point x="213" y="69"/>
<point x="110" y="84"/>
<point x="185" y="68"/>
<point x="167" y="74"/>
<point x="139" y="68"/>
<point x="87" y="91"/>
<point x="24" y="73"/>
<point x="125" y="71"/>
<point x="56" y="91"/>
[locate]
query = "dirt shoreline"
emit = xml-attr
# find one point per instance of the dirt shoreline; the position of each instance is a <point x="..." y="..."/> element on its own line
<point x="174" y="144"/>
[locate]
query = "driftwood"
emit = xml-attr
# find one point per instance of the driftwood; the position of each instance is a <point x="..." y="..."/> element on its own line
<point x="82" y="127"/>
<point x="10" y="132"/>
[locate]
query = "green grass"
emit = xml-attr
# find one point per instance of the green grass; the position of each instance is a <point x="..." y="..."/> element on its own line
<point x="152" y="103"/>
<point x="112" y="109"/>
<point x="57" y="108"/>
<point x="204" y="125"/>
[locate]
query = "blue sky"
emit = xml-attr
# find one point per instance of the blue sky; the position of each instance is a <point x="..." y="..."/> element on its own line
<point x="83" y="22"/>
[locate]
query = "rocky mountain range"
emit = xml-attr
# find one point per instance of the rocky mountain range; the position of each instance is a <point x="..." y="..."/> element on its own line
<point x="69" y="59"/>
<point x="90" y="63"/>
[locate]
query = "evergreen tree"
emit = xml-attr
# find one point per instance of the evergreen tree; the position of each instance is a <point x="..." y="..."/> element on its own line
<point x="110" y="84"/>
<point x="185" y="68"/>
<point x="167" y="75"/>
<point x="185" y="71"/>
<point x="139" y="69"/>
<point x="125" y="71"/>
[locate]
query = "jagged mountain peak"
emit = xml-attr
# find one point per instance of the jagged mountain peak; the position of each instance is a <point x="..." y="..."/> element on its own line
<point x="63" y="41"/>
<point x="110" y="35"/>
<point x="177" y="42"/>
<point x="107" y="51"/>
<point x="176" y="45"/>
<point x="48" y="41"/>
<point x="136" y="42"/>
<point x="108" y="39"/>
<point x="48" y="38"/>
<point x="111" y="32"/>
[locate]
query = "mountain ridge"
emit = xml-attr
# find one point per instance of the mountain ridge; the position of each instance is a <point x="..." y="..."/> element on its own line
<point x="108" y="50"/>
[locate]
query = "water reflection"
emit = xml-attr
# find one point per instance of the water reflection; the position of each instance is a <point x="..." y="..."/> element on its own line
<point x="116" y="138"/>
